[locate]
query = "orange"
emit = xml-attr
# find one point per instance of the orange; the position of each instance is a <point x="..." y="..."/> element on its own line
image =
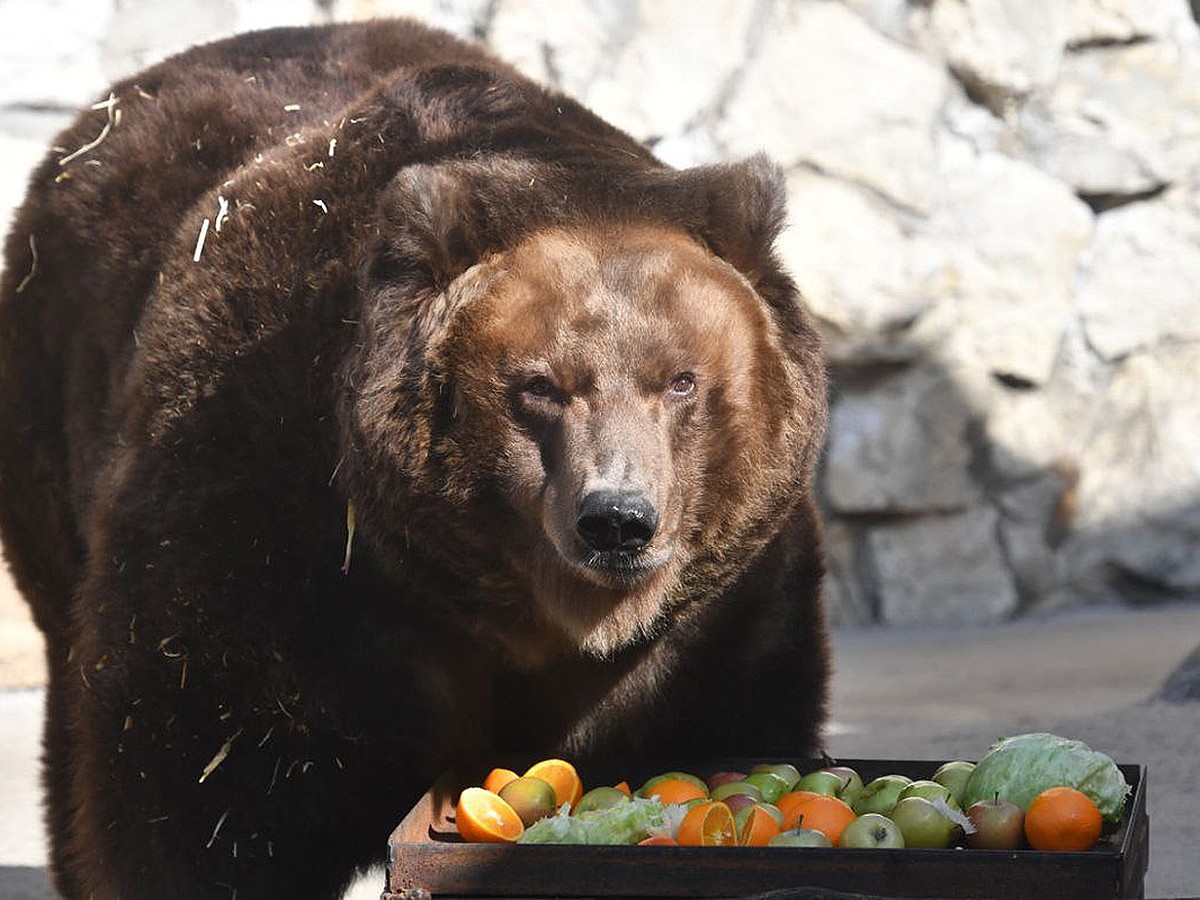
<point x="623" y="787"/>
<point x="708" y="825"/>
<point x="658" y="840"/>
<point x="561" y="776"/>
<point x="788" y="803"/>
<point x="758" y="829"/>
<point x="828" y="815"/>
<point x="498" y="778"/>
<point x="676" y="790"/>
<point x="482" y="816"/>
<point x="1062" y="818"/>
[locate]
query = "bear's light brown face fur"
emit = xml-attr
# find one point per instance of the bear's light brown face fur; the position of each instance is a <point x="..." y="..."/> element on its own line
<point x="616" y="361"/>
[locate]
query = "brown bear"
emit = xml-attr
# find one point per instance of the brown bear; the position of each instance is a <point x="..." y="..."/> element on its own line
<point x="368" y="410"/>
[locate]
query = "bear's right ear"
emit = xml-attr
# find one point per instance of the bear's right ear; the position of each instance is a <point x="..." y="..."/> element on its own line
<point x="742" y="210"/>
<point x="431" y="226"/>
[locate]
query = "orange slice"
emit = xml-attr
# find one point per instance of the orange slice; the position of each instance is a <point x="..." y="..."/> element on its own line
<point x="497" y="779"/>
<point x="758" y="829"/>
<point x="484" y="817"/>
<point x="708" y="825"/>
<point x="658" y="840"/>
<point x="561" y="776"/>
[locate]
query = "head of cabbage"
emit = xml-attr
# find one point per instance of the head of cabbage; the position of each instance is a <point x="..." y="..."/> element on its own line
<point x="1019" y="768"/>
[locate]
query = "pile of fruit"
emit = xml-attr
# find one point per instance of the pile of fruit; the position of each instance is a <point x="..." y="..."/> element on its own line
<point x="1036" y="790"/>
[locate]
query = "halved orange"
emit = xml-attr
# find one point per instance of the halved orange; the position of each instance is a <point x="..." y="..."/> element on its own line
<point x="484" y="817"/>
<point x="497" y="779"/>
<point x="658" y="840"/>
<point x="676" y="790"/>
<point x="758" y="828"/>
<point x="708" y="825"/>
<point x="561" y="776"/>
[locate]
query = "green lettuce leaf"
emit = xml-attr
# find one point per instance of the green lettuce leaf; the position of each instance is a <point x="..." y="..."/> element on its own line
<point x="625" y="823"/>
<point x="1019" y="768"/>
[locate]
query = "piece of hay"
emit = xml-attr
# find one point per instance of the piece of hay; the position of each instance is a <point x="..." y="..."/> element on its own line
<point x="111" y="105"/>
<point x="349" y="537"/>
<point x="32" y="265"/>
<point x="220" y="757"/>
<point x="200" y="240"/>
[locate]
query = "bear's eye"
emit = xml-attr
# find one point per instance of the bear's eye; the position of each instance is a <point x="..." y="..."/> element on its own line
<point x="541" y="387"/>
<point x="682" y="385"/>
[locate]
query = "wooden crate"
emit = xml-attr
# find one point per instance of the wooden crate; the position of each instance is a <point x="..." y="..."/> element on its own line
<point x="426" y="852"/>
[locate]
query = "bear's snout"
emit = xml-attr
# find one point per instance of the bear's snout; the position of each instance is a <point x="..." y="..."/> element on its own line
<point x="616" y="521"/>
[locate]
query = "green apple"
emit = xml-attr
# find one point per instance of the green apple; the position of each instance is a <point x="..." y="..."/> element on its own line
<point x="799" y="837"/>
<point x="923" y="825"/>
<point x="880" y="794"/>
<point x="872" y="831"/>
<point x="820" y="782"/>
<point x="729" y="788"/>
<point x="954" y="775"/>
<point x="852" y="783"/>
<point x="999" y="825"/>
<point x="770" y="785"/>
<point x="532" y="798"/>
<point x="786" y="771"/>
<point x="600" y="798"/>
<point x="930" y="790"/>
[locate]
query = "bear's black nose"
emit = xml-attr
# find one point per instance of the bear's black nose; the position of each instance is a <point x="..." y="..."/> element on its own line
<point x="616" y="521"/>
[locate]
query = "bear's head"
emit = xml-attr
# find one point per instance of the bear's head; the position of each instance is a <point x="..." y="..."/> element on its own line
<point x="578" y="404"/>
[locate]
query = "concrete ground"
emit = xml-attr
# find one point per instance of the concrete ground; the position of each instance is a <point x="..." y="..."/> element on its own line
<point x="919" y="694"/>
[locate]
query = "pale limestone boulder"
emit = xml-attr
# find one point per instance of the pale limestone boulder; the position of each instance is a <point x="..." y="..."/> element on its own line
<point x="1002" y="50"/>
<point x="1120" y="120"/>
<point x="826" y="90"/>
<point x="1012" y="236"/>
<point x="857" y="269"/>
<point x="57" y="64"/>
<point x="465" y="18"/>
<point x="848" y="601"/>
<point x="645" y="66"/>
<point x="901" y="447"/>
<point x="1120" y="21"/>
<point x="1138" y="505"/>
<point x="942" y="570"/>
<point x="1140" y="284"/>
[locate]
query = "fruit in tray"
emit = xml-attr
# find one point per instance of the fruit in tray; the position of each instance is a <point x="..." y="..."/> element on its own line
<point x="1039" y="790"/>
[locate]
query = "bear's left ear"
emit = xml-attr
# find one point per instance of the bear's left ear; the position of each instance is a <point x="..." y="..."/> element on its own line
<point x="745" y="204"/>
<point x="432" y="228"/>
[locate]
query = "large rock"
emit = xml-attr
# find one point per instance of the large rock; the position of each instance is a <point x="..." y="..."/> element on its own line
<point x="1001" y="49"/>
<point x="1124" y="21"/>
<point x="942" y="569"/>
<point x="901" y="447"/>
<point x="638" y="63"/>
<point x="826" y="90"/>
<point x="1146" y="258"/>
<point x="1121" y="120"/>
<point x="1137" y="514"/>
<point x="858" y="270"/>
<point x="1013" y="237"/>
<point x="63" y="72"/>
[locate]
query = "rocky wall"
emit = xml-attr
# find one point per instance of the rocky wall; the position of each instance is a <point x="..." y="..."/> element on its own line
<point x="994" y="212"/>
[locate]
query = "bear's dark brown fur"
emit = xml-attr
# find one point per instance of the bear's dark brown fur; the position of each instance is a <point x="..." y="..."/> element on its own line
<point x="369" y="269"/>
